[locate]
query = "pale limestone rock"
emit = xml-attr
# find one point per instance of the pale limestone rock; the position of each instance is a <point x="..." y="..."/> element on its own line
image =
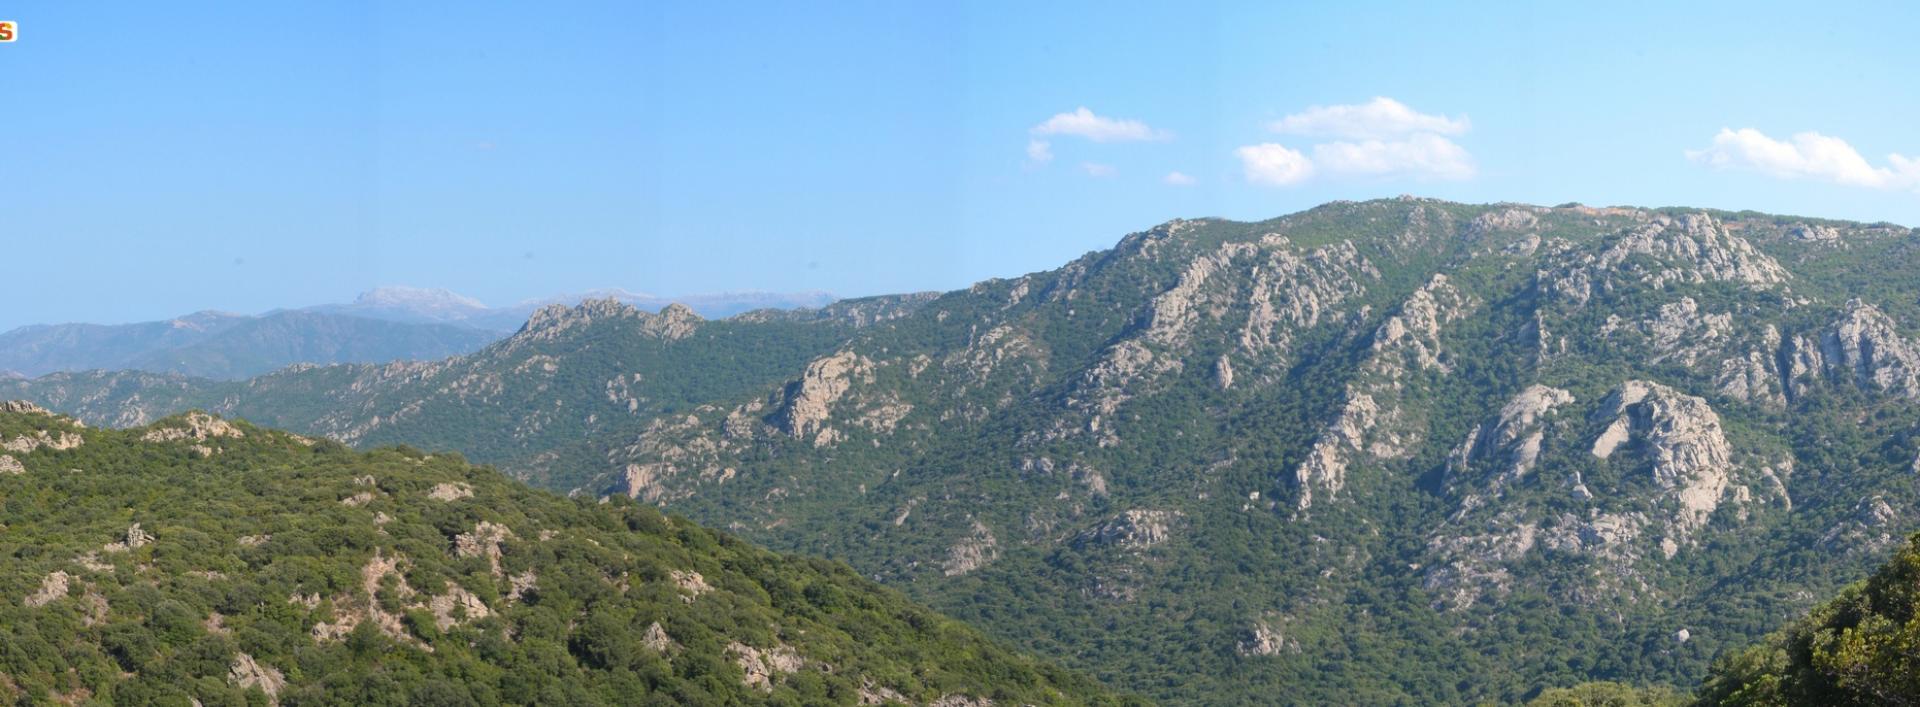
<point x="1135" y="529"/>
<point x="957" y="700"/>
<point x="1514" y="219"/>
<point x="1264" y="639"/>
<point x="451" y="491"/>
<point x="1515" y="435"/>
<point x="1866" y="346"/>
<point x="809" y="405"/>
<point x="762" y="668"/>
<point x="674" y="322"/>
<point x="197" y="426"/>
<point x="23" y="407"/>
<point x="248" y="673"/>
<point x="1223" y="372"/>
<point x="971" y="552"/>
<point x="1326" y="465"/>
<point x="10" y="465"/>
<point x="692" y="583"/>
<point x="52" y="588"/>
<point x="657" y="639"/>
<point x="134" y="539"/>
<point x="41" y="439"/>
<point x="456" y="607"/>
<point x="1681" y="434"/>
<point x="485" y="541"/>
<point x="875" y="694"/>
<point x="520" y="585"/>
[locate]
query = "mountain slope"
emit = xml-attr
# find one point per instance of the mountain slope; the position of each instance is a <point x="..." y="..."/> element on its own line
<point x="229" y="346"/>
<point x="1392" y="451"/>
<point x="221" y="562"/>
<point x="532" y="402"/>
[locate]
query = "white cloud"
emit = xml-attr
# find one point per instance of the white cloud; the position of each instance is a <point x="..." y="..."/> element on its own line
<point x="1039" y="151"/>
<point x="1381" y="138"/>
<point x="1095" y="169"/>
<point x="1083" y="123"/>
<point x="1807" y="155"/>
<point x="1177" y="179"/>
<point x="1379" y="119"/>
<point x="1276" y="165"/>
<point x="1420" y="156"/>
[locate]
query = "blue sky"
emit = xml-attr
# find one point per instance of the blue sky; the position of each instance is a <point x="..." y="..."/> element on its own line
<point x="161" y="158"/>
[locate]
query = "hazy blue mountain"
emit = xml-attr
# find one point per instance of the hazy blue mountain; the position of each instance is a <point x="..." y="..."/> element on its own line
<point x="412" y="304"/>
<point x="229" y="346"/>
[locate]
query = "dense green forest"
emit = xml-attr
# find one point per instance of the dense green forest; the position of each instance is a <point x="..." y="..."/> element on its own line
<point x="227" y="564"/>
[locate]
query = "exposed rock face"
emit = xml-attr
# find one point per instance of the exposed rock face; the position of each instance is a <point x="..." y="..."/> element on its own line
<point x="485" y="541"/>
<point x="1684" y="249"/>
<point x="763" y="667"/>
<point x="41" y="439"/>
<point x="1223" y="372"/>
<point x="1872" y="527"/>
<point x="197" y="426"/>
<point x="972" y="552"/>
<point x="1516" y="435"/>
<point x="810" y="400"/>
<point x="1371" y="426"/>
<point x="52" y="588"/>
<point x="134" y="540"/>
<point x="23" y="407"/>
<point x="1681" y="435"/>
<point x="354" y="608"/>
<point x="1866" y="346"/>
<point x="1326" y="466"/>
<point x="1681" y="332"/>
<point x="692" y="583"/>
<point x="960" y="701"/>
<point x="10" y="465"/>
<point x="547" y="323"/>
<point x="1264" y="638"/>
<point x="675" y="321"/>
<point x="248" y="673"/>
<point x="455" y="607"/>
<point x="450" y="492"/>
<point x="657" y="639"/>
<point x="1814" y="234"/>
<point x="1134" y="530"/>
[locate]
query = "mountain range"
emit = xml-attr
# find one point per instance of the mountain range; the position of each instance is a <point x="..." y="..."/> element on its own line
<point x="1390" y="451"/>
<point x="381" y="325"/>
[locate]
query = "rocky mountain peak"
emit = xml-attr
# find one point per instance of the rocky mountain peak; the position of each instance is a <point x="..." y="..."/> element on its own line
<point x="548" y="321"/>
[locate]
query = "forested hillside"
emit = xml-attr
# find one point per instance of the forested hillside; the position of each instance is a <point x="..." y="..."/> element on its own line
<point x="213" y="562"/>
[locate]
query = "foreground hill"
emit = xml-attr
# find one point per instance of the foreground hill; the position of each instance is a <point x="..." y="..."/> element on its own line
<point x="1861" y="648"/>
<point x="1401" y="450"/>
<point x="230" y="346"/>
<point x="197" y="559"/>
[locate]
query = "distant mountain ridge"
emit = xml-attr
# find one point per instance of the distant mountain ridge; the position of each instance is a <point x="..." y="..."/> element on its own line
<point x="229" y="346"/>
<point x="381" y="325"/>
<point x="420" y="305"/>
